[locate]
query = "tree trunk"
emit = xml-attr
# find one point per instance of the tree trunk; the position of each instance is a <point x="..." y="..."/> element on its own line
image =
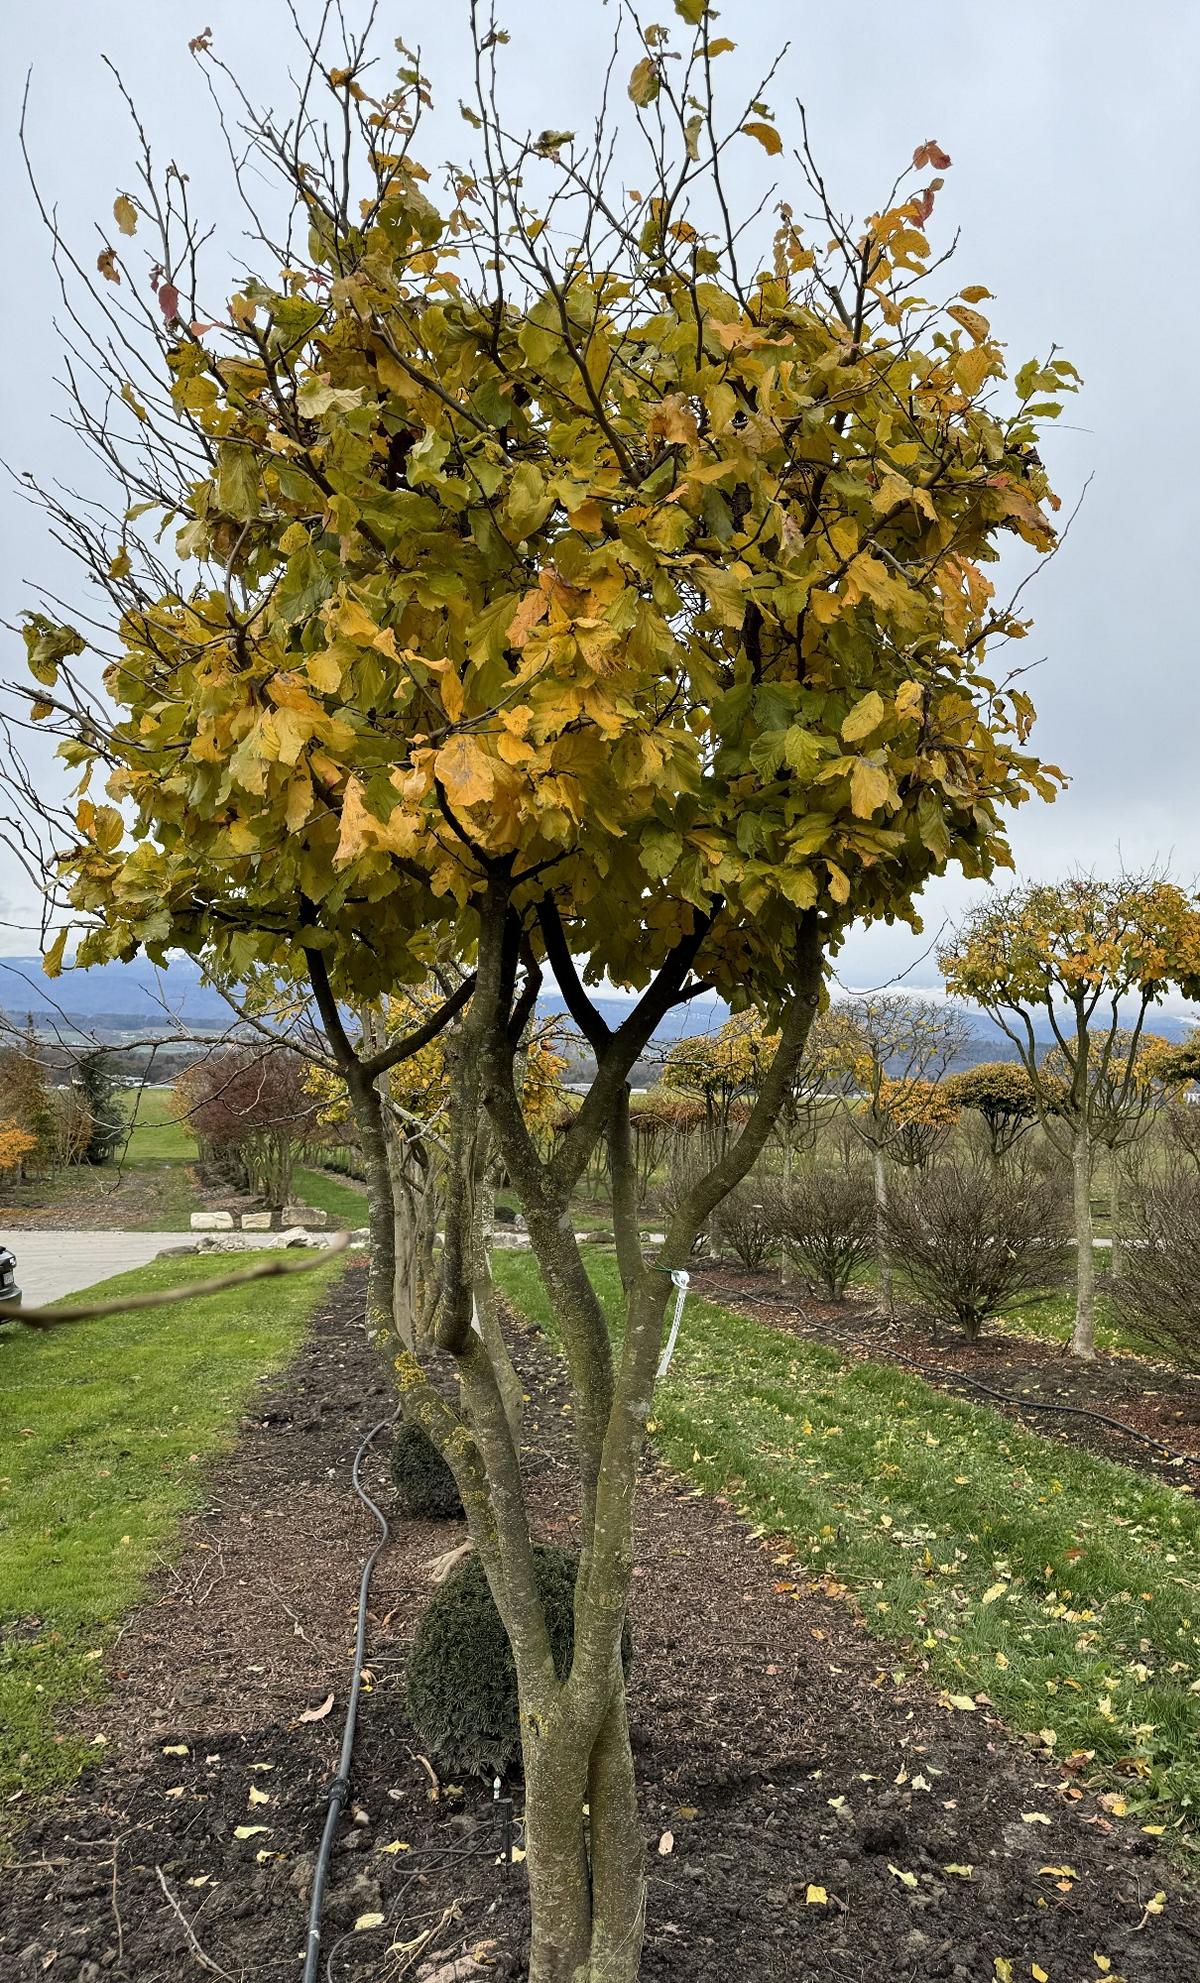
<point x="887" y="1289"/>
<point x="1114" y="1219"/>
<point x="587" y="1887"/>
<point x="1083" y="1338"/>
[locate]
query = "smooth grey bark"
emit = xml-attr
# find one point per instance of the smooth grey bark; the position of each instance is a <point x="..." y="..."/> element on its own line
<point x="1083" y="1336"/>
<point x="887" y="1287"/>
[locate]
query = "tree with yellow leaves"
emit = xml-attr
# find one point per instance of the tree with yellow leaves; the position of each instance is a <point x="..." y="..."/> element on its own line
<point x="1091" y="957"/>
<point x="564" y="579"/>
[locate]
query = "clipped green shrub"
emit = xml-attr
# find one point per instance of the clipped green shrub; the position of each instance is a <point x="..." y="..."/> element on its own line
<point x="424" y="1483"/>
<point x="462" y="1684"/>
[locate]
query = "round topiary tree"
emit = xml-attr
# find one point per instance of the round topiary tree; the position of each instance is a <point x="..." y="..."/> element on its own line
<point x="462" y="1683"/>
<point x="424" y="1483"/>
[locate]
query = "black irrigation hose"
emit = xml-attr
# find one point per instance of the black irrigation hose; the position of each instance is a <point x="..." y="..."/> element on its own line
<point x="339" y="1789"/>
<point x="939" y="1371"/>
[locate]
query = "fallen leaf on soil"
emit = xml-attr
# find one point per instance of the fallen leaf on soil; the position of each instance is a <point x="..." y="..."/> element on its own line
<point x="249" y="1831"/>
<point x="397" y="1845"/>
<point x="816" y="1897"/>
<point x="369" y="1921"/>
<point x="1154" y="1905"/>
<point x="905" y="1879"/>
<point x="1038" y="1973"/>
<point x="666" y="1844"/>
<point x="258" y="1796"/>
<point x="962" y="1702"/>
<point x="176" y="1749"/>
<point x="1034" y="1818"/>
<point x="960" y="1872"/>
<point x="315" y="1714"/>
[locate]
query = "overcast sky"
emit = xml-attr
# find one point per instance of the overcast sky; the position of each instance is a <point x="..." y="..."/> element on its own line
<point x="1076" y="147"/>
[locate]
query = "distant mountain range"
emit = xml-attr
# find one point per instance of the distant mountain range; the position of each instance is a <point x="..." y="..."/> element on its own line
<point x="118" y="1002"/>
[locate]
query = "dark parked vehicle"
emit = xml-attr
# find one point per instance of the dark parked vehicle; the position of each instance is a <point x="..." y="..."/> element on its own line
<point x="10" y="1293"/>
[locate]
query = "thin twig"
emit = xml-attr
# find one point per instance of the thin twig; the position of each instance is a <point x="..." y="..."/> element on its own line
<point x="206" y="1961"/>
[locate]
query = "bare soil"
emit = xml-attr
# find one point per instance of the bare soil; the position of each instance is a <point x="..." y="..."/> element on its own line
<point x="802" y="1807"/>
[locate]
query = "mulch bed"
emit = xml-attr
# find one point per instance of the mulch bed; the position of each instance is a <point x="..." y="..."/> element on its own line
<point x="772" y="1746"/>
<point x="1161" y="1403"/>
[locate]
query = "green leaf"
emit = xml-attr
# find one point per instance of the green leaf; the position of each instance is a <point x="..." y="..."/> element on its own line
<point x="46" y="644"/>
<point x="529" y="501"/>
<point x="237" y="481"/>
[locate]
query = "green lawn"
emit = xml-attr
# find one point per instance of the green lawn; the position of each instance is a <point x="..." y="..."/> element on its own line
<point x="1063" y="1588"/>
<point x="106" y="1432"/>
<point x="327" y="1192"/>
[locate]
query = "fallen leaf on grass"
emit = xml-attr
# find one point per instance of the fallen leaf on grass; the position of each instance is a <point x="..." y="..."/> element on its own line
<point x="992" y="1592"/>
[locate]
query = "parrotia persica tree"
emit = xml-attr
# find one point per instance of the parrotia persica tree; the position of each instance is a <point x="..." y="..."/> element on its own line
<point x="568" y="576"/>
<point x="1091" y="957"/>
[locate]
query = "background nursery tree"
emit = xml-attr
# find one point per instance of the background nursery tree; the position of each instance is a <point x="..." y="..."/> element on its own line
<point x="568" y="580"/>
<point x="887" y="1053"/>
<point x="1001" y="1094"/>
<point x="1092" y="956"/>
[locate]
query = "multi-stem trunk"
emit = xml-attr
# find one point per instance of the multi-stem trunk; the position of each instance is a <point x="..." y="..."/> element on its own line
<point x="1083" y="1338"/>
<point x="887" y="1290"/>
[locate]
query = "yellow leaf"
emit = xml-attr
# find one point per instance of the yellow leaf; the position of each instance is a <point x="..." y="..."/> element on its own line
<point x="974" y="293"/>
<point x="976" y="326"/>
<point x="768" y="137"/>
<point x="645" y="82"/>
<point x="465" y="772"/>
<point x="816" y="1897"/>
<point x="52" y="963"/>
<point x="1003" y="1968"/>
<point x="959" y="1872"/>
<point x="452" y="693"/>
<point x="369" y="1921"/>
<point x="397" y="1845"/>
<point x="587" y="517"/>
<point x="324" y="670"/>
<point x="357" y="825"/>
<point x="910" y="699"/>
<point x="249" y="1831"/>
<point x="992" y="1592"/>
<point x="866" y="715"/>
<point x="119" y="568"/>
<point x="962" y="1702"/>
<point x="1038" y="1974"/>
<point x="125" y="214"/>
<point x="258" y="1796"/>
<point x="869" y="788"/>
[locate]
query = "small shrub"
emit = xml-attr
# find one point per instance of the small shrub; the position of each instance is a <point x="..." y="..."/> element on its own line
<point x="974" y="1238"/>
<point x="424" y="1484"/>
<point x="461" y="1681"/>
<point x="742" y="1223"/>
<point x="826" y="1219"/>
<point x="1158" y="1292"/>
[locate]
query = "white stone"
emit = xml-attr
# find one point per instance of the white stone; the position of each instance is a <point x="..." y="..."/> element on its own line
<point x="212" y="1221"/>
<point x="304" y="1215"/>
<point x="256" y="1222"/>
